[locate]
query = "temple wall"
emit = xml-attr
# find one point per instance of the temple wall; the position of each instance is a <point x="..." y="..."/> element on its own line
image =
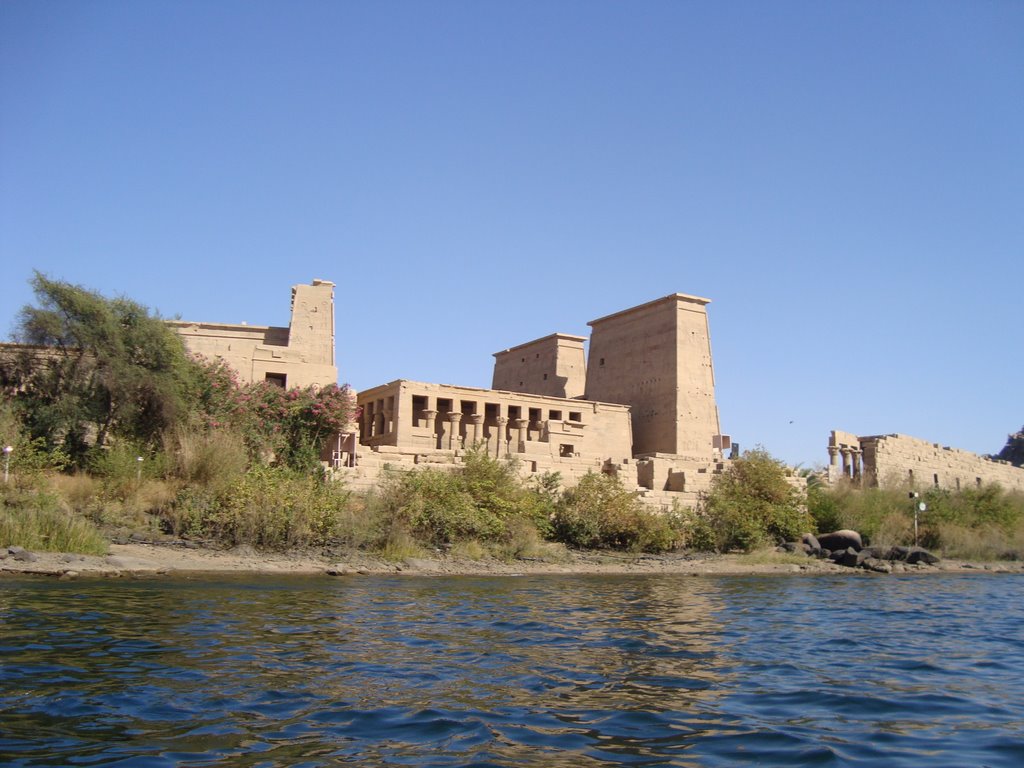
<point x="297" y="356"/>
<point x="899" y="460"/>
<point x="554" y="366"/>
<point x="656" y="358"/>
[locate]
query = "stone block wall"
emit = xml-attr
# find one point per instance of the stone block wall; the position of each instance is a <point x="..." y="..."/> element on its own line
<point x="297" y="356"/>
<point x="899" y="460"/>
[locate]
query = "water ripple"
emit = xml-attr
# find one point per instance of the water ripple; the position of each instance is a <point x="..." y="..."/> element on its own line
<point x="552" y="671"/>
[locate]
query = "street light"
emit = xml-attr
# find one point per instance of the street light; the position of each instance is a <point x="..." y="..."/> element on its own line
<point x="919" y="506"/>
<point x="7" y="461"/>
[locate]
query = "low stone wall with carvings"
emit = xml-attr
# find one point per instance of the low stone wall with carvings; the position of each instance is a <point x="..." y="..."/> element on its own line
<point x="902" y="460"/>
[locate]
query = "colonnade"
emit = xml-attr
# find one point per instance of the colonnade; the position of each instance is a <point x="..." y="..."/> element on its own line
<point x="853" y="460"/>
<point x="505" y="428"/>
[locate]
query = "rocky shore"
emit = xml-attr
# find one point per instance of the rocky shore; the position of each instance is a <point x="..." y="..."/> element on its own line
<point x="178" y="559"/>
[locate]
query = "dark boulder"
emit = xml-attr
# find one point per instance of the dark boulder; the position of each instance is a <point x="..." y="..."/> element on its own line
<point x="811" y="544"/>
<point x="911" y="555"/>
<point x="841" y="540"/>
<point x="870" y="553"/>
<point x="876" y="565"/>
<point x="848" y="557"/>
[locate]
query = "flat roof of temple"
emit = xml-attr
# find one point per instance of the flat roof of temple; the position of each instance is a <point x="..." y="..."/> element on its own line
<point x="674" y="297"/>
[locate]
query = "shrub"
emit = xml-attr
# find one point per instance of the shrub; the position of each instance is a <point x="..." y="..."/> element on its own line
<point x="484" y="499"/>
<point x="600" y="513"/>
<point x="267" y="508"/>
<point x="749" y="505"/>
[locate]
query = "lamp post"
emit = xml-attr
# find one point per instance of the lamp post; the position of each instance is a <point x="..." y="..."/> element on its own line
<point x="919" y="506"/>
<point x="7" y="461"/>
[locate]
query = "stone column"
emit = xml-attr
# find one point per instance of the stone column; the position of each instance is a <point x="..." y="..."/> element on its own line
<point x="428" y="418"/>
<point x="389" y="421"/>
<point x="501" y="436"/>
<point x="521" y="425"/>
<point x="378" y="418"/>
<point x="846" y="460"/>
<point x="855" y="460"/>
<point x="833" y="456"/>
<point x="454" y="418"/>
<point x="476" y="420"/>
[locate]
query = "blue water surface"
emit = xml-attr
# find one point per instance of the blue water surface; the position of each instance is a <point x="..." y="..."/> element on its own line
<point x="513" y="671"/>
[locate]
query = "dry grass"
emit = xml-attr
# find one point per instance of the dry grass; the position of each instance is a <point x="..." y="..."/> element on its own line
<point x="399" y="546"/>
<point x="983" y="543"/>
<point x="35" y="521"/>
<point x="207" y="459"/>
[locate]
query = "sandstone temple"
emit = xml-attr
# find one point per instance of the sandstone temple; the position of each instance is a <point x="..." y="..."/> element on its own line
<point x="639" y="403"/>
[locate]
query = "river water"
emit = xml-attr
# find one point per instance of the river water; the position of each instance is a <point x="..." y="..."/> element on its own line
<point x="513" y="671"/>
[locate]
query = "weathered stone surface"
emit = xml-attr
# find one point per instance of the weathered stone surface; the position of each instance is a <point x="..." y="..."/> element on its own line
<point x="23" y="555"/>
<point x="893" y="460"/>
<point x="869" y="553"/>
<point x="297" y="356"/>
<point x="811" y="544"/>
<point x="849" y="557"/>
<point x="876" y="565"/>
<point x="842" y="539"/>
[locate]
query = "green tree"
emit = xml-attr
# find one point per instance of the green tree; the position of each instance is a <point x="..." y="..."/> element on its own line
<point x="751" y="504"/>
<point x="101" y="368"/>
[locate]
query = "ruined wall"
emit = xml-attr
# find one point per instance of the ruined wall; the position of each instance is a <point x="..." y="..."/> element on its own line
<point x="297" y="356"/>
<point x="896" y="460"/>
<point x="656" y="358"/>
<point x="554" y="366"/>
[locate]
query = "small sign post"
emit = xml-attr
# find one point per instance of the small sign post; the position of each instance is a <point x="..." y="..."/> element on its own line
<point x="919" y="506"/>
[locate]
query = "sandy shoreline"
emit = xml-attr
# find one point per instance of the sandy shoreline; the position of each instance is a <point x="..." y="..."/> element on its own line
<point x="137" y="560"/>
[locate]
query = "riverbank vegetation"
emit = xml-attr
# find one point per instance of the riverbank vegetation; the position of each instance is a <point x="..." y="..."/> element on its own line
<point x="985" y="523"/>
<point x="117" y="432"/>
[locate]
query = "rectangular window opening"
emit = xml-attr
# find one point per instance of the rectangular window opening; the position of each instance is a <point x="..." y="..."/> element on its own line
<point x="419" y="405"/>
<point x="555" y="415"/>
<point x="575" y="416"/>
<point x="277" y="379"/>
<point x="565" y="450"/>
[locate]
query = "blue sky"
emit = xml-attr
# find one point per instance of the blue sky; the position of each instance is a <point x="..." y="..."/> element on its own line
<point x="844" y="180"/>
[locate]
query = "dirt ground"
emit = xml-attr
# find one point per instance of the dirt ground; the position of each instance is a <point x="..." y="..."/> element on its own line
<point x="141" y="559"/>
